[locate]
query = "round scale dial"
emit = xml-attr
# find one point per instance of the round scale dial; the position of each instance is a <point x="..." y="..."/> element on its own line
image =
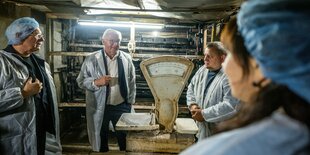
<point x="167" y="69"/>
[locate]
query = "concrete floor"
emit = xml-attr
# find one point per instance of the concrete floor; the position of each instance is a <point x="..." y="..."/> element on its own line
<point x="75" y="142"/>
<point x="95" y="153"/>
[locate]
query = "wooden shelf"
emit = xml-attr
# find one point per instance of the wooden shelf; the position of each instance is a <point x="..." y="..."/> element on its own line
<point x="134" y="55"/>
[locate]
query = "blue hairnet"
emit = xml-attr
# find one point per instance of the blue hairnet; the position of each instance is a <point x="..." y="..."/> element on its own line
<point x="20" y="29"/>
<point x="277" y="35"/>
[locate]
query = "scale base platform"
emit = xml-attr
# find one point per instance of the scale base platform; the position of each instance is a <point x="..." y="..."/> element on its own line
<point x="153" y="142"/>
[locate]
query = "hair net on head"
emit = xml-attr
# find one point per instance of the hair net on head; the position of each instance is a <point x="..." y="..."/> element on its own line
<point x="277" y="35"/>
<point x="19" y="29"/>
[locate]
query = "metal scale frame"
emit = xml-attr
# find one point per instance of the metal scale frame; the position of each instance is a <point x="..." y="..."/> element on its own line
<point x="166" y="76"/>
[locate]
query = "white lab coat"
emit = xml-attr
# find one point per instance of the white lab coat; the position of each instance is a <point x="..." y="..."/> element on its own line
<point x="274" y="135"/>
<point x="17" y="114"/>
<point x="93" y="68"/>
<point x="218" y="104"/>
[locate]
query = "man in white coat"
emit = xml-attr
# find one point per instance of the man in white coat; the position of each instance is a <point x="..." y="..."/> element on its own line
<point x="108" y="76"/>
<point x="209" y="96"/>
<point x="28" y="104"/>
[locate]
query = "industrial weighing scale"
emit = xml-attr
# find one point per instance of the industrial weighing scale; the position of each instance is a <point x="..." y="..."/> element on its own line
<point x="161" y="132"/>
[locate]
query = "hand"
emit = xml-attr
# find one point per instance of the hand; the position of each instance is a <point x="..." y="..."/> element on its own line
<point x="103" y="80"/>
<point x="197" y="115"/>
<point x="193" y="106"/>
<point x="31" y="88"/>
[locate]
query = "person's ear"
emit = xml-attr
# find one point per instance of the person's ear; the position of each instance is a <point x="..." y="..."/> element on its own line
<point x="18" y="34"/>
<point x="223" y="58"/>
<point x="259" y="79"/>
<point x="253" y="64"/>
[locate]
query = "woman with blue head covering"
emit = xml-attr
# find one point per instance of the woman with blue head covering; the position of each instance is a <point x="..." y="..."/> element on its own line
<point x="268" y="67"/>
<point x="28" y="105"/>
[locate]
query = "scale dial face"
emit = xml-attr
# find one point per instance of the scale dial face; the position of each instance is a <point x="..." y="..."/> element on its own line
<point x="167" y="69"/>
<point x="166" y="77"/>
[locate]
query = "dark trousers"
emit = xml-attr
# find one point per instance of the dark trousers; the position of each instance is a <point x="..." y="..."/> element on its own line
<point x="113" y="113"/>
<point x="40" y="128"/>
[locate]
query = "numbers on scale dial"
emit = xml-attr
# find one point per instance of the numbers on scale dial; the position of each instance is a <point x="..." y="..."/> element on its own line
<point x="167" y="69"/>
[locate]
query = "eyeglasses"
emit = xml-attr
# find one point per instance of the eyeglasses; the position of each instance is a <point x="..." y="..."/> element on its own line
<point x="38" y="36"/>
<point x="114" y="41"/>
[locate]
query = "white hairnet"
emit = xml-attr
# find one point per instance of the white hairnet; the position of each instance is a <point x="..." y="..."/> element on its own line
<point x="20" y="29"/>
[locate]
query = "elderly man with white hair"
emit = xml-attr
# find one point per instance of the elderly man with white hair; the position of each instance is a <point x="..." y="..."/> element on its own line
<point x="108" y="76"/>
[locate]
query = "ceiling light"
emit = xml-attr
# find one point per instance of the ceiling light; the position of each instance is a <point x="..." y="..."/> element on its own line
<point x="155" y="33"/>
<point x="121" y="24"/>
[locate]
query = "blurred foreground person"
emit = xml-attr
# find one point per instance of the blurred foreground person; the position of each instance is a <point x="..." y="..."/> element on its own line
<point x="275" y="116"/>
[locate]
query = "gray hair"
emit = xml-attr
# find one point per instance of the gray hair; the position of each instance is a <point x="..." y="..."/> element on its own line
<point x="111" y="31"/>
<point x="218" y="46"/>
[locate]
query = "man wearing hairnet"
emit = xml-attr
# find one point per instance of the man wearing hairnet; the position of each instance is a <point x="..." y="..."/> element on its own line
<point x="28" y="106"/>
<point x="108" y="76"/>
